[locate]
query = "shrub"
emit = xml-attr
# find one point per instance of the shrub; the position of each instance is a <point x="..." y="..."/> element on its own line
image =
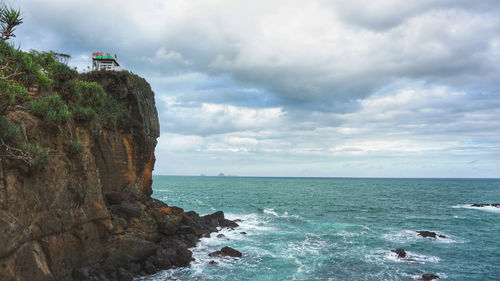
<point x="11" y="94"/>
<point x="75" y="147"/>
<point x="89" y="102"/>
<point x="83" y="113"/>
<point x="61" y="72"/>
<point x="7" y="130"/>
<point x="50" y="108"/>
<point x="43" y="81"/>
<point x="38" y="154"/>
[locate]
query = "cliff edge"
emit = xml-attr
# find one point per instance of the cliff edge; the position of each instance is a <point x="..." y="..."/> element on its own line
<point x="88" y="215"/>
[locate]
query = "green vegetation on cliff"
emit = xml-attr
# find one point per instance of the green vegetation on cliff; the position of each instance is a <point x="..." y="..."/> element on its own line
<point x="62" y="97"/>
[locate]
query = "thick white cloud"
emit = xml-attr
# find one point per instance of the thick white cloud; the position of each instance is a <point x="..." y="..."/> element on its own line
<point x="309" y="87"/>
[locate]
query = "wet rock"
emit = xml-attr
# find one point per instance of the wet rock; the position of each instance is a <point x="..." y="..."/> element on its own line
<point x="400" y="252"/>
<point x="226" y="252"/>
<point x="163" y="262"/>
<point x="428" y="277"/>
<point x="148" y="267"/>
<point x="130" y="249"/>
<point x="124" y="275"/>
<point x="238" y="220"/>
<point x="134" y="268"/>
<point x="191" y="240"/>
<point x="228" y="223"/>
<point x="171" y="221"/>
<point x="221" y="235"/>
<point x="128" y="210"/>
<point x="214" y="218"/>
<point x="243" y="232"/>
<point x="212" y="262"/>
<point x="497" y="205"/>
<point x="183" y="257"/>
<point x="81" y="274"/>
<point x="431" y="234"/>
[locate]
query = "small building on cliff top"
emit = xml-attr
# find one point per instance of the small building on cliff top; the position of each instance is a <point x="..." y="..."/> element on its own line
<point x="101" y="61"/>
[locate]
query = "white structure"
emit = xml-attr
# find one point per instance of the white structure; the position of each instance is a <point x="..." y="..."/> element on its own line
<point x="101" y="61"/>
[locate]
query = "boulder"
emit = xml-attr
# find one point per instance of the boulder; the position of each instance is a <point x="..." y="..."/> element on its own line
<point x="171" y="221"/>
<point x="130" y="249"/>
<point x="428" y="277"/>
<point x="183" y="257"/>
<point x="400" y="252"/>
<point x="226" y="252"/>
<point x="128" y="210"/>
<point x="497" y="205"/>
<point x="148" y="267"/>
<point x="228" y="223"/>
<point x="425" y="233"/>
<point x="124" y="275"/>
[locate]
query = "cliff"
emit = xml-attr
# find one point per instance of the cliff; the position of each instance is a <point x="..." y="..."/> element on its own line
<point x="89" y="215"/>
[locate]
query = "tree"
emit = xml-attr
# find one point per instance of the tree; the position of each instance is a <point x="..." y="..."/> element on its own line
<point x="10" y="18"/>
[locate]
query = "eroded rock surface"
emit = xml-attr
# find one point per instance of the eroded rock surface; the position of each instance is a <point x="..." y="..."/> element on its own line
<point x="90" y="216"/>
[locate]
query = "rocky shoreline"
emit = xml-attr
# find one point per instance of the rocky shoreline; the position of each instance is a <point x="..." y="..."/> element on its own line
<point x="137" y="256"/>
<point x="89" y="215"/>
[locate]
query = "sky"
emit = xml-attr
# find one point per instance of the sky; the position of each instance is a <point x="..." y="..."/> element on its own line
<point x="304" y="88"/>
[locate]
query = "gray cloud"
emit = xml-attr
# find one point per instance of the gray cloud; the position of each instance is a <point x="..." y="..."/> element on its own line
<point x="310" y="83"/>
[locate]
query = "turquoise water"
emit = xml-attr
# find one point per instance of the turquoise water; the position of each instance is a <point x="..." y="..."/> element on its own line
<point x="341" y="229"/>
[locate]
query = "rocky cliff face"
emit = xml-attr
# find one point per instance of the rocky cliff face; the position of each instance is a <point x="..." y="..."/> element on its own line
<point x="89" y="215"/>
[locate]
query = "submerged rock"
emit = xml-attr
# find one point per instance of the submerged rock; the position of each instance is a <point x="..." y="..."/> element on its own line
<point x="226" y="252"/>
<point x="221" y="235"/>
<point x="497" y="205"/>
<point x="425" y="233"/>
<point x="400" y="252"/>
<point x="428" y="277"/>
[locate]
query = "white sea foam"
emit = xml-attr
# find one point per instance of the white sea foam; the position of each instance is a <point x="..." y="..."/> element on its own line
<point x="273" y="213"/>
<point x="383" y="256"/>
<point x="419" y="276"/>
<point x="412" y="257"/>
<point x="270" y="212"/>
<point x="409" y="236"/>
<point x="486" y="208"/>
<point x="250" y="223"/>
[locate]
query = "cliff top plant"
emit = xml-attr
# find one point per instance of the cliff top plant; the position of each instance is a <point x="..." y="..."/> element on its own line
<point x="10" y="18"/>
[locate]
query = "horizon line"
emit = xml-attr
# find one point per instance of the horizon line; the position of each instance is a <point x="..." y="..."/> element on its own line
<point x="326" y="177"/>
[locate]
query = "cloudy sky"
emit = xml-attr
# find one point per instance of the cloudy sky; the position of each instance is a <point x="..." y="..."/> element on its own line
<point x="362" y="88"/>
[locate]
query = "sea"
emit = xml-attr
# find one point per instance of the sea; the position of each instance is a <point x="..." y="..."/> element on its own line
<point x="340" y="228"/>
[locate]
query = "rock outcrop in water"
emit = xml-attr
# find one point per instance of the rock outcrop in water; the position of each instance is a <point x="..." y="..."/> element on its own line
<point x="429" y="277"/>
<point x="400" y="252"/>
<point x="226" y="252"/>
<point x="496" y="205"/>
<point x="431" y="234"/>
<point x="89" y="216"/>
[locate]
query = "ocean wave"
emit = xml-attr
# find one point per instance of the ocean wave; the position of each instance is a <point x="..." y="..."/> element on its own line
<point x="250" y="223"/>
<point x="486" y="208"/>
<point x="273" y="213"/>
<point x="380" y="256"/>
